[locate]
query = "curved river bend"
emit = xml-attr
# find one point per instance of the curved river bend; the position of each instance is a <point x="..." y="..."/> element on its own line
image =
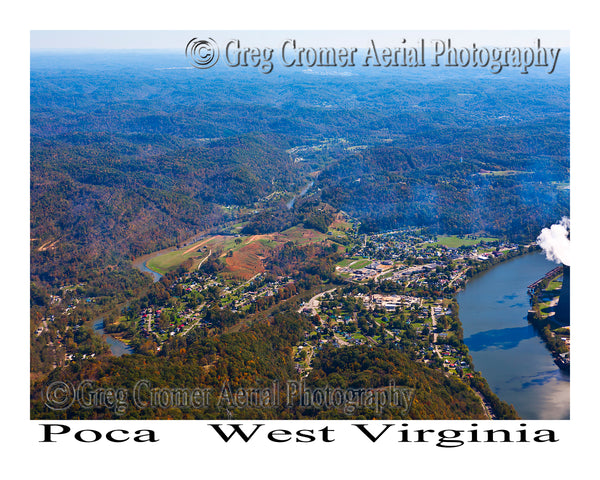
<point x="117" y="347"/>
<point x="505" y="347"/>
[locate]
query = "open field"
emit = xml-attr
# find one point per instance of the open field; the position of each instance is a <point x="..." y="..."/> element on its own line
<point x="245" y="262"/>
<point x="361" y="263"/>
<point x="170" y="261"/>
<point x="454" y="242"/>
<point x="242" y="255"/>
<point x="345" y="262"/>
<point x="501" y="173"/>
<point x="301" y="235"/>
<point x="237" y="227"/>
<point x="340" y="224"/>
<point x="555" y="285"/>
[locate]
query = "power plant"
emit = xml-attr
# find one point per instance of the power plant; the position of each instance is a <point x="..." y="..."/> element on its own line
<point x="563" y="309"/>
<point x="556" y="243"/>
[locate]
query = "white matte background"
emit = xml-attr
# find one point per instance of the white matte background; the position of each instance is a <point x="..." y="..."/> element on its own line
<point x="190" y="449"/>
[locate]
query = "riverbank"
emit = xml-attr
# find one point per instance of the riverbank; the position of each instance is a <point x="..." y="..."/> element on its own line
<point x="476" y="270"/>
<point x="141" y="263"/>
<point x="505" y="347"/>
<point x="117" y="347"/>
<point x="542" y="315"/>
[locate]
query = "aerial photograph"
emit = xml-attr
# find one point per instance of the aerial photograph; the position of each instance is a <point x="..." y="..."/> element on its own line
<point x="300" y="225"/>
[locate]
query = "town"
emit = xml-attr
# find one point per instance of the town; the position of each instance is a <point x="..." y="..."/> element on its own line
<point x="393" y="289"/>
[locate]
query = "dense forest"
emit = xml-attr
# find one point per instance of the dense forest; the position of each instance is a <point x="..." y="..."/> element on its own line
<point x="130" y="154"/>
<point x="257" y="358"/>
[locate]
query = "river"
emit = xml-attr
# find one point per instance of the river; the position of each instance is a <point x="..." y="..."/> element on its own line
<point x="505" y="347"/>
<point x="144" y="268"/>
<point x="117" y="347"/>
<point x="141" y="263"/>
<point x="306" y="188"/>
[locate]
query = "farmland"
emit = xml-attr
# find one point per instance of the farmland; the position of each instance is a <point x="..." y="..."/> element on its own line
<point x="242" y="255"/>
<point x="454" y="241"/>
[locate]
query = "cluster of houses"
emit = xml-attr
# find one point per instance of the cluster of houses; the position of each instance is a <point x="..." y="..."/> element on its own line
<point x="149" y="322"/>
<point x="367" y="272"/>
<point x="251" y="293"/>
<point x="237" y="297"/>
<point x="389" y="302"/>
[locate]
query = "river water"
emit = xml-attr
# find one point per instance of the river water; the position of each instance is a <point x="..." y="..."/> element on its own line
<point x="306" y="188"/>
<point x="144" y="268"/>
<point x="505" y="347"/>
<point x="141" y="263"/>
<point x="117" y="347"/>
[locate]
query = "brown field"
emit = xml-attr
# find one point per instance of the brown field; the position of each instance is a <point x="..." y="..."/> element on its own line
<point x="247" y="261"/>
<point x="48" y="246"/>
<point x="246" y="258"/>
<point x="198" y="245"/>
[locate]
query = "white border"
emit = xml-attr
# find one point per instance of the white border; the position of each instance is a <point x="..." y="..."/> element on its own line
<point x="188" y="450"/>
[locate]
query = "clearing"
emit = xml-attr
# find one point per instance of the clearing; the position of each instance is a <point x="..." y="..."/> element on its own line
<point x="454" y="241"/>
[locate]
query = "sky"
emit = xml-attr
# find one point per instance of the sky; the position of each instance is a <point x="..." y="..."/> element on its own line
<point x="175" y="39"/>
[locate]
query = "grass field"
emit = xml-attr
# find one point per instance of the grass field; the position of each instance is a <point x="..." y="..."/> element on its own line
<point x="361" y="263"/>
<point x="170" y="261"/>
<point x="502" y="173"/>
<point x="454" y="242"/>
<point x="345" y="262"/>
<point x="339" y="225"/>
<point x="301" y="235"/>
<point x="386" y="275"/>
<point x="555" y="285"/>
<point x="245" y="259"/>
<point x="236" y="228"/>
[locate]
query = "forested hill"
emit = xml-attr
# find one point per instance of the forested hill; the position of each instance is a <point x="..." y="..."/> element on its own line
<point x="133" y="151"/>
<point x="257" y="358"/>
<point x="101" y="193"/>
<point x="503" y="181"/>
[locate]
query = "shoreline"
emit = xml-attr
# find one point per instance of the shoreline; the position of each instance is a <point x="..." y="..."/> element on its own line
<point x="543" y="325"/>
<point x="499" y="378"/>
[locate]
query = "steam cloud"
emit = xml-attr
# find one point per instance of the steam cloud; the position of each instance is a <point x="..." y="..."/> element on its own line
<point x="556" y="243"/>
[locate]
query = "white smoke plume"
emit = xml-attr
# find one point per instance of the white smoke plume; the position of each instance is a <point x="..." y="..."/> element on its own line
<point x="556" y="243"/>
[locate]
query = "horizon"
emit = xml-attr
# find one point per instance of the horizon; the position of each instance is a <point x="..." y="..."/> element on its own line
<point x="174" y="39"/>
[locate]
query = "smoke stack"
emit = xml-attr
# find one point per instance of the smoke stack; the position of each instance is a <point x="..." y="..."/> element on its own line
<point x="563" y="309"/>
<point x="556" y="243"/>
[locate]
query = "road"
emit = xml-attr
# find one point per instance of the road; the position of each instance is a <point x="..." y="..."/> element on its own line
<point x="204" y="259"/>
<point x="314" y="303"/>
<point x="457" y="276"/>
<point x="487" y="408"/>
<point x="309" y="357"/>
<point x="185" y="332"/>
<point x="246" y="283"/>
<point x="433" y="326"/>
<point x="197" y="246"/>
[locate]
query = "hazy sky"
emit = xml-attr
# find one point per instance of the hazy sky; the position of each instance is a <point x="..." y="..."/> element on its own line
<point x="144" y="39"/>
